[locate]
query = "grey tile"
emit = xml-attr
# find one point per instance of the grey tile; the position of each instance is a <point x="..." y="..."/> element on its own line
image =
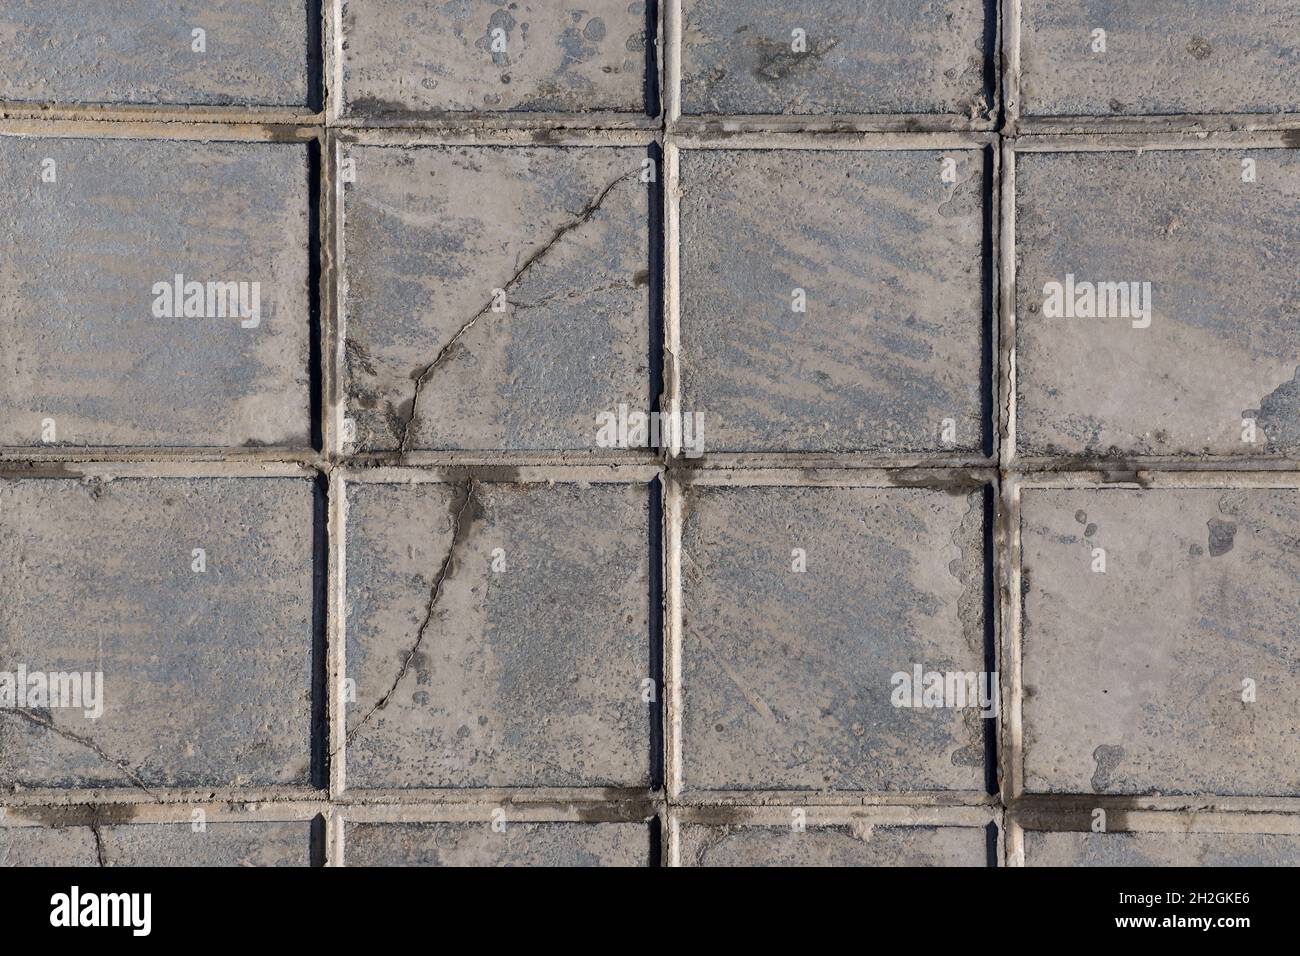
<point x="478" y="844"/>
<point x="855" y="844"/>
<point x="163" y="844"/>
<point x="1161" y="849"/>
<point x="529" y="675"/>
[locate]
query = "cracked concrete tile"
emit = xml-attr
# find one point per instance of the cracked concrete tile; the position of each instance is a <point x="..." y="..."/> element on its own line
<point x="1136" y="679"/>
<point x="402" y="57"/>
<point x="888" y="56"/>
<point x="207" y="675"/>
<point x="163" y="844"/>
<point x="1161" y="849"/>
<point x="496" y="297"/>
<point x="787" y="676"/>
<point x="97" y="347"/>
<point x="254" y="52"/>
<point x="498" y="635"/>
<point x="889" y="348"/>
<point x="1197" y="56"/>
<point x="1224" y="325"/>
<point x="477" y="844"/>
<point x="833" y="845"/>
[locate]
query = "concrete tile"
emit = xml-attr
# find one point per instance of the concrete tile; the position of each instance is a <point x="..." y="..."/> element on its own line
<point x="1224" y="327"/>
<point x="846" y="845"/>
<point x="1134" y="677"/>
<point x="433" y="233"/>
<point x="169" y="844"/>
<point x="84" y="344"/>
<point x="1161" y="849"/>
<point x="207" y="676"/>
<point x="420" y="56"/>
<point x="1198" y="56"/>
<point x="477" y="844"/>
<point x="890" y="260"/>
<point x="526" y="676"/>
<point x="890" y="56"/>
<point x="787" y="676"/>
<point x="143" y="52"/>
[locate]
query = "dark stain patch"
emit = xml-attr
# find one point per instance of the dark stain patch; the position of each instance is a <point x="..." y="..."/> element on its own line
<point x="80" y="815"/>
<point x="10" y="471"/>
<point x="1279" y="412"/>
<point x="1196" y="551"/>
<point x="1200" y="48"/>
<point x="1081" y="516"/>
<point x="357" y="358"/>
<point x="1108" y="757"/>
<point x="1089" y="531"/>
<point x="1291" y="138"/>
<point x="484" y="474"/>
<point x="949" y="481"/>
<point x="1222" y="534"/>
<point x="778" y="61"/>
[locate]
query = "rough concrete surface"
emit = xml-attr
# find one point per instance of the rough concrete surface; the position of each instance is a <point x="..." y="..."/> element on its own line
<point x="401" y="57"/>
<point x="1224" y="334"/>
<point x="850" y="844"/>
<point x="787" y="676"/>
<point x="514" y="844"/>
<point x="1134" y="678"/>
<point x="1196" y="56"/>
<point x="895" y="56"/>
<point x="525" y="676"/>
<point x="68" y="52"/>
<point x="168" y="844"/>
<point x="497" y="298"/>
<point x="1161" y="849"/>
<point x="207" y="675"/>
<point x="889" y="342"/>
<point x="94" y="354"/>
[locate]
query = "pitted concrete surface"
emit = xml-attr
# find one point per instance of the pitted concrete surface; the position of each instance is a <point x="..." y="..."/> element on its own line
<point x="851" y="844"/>
<point x="856" y="326"/>
<point x="1174" y="669"/>
<point x="403" y="57"/>
<point x="525" y="675"/>
<point x="512" y="844"/>
<point x="1161" y="849"/>
<point x="1197" y="56"/>
<point x="207" y="675"/>
<point x="68" y="52"/>
<point x="895" y="56"/>
<point x="94" y="352"/>
<point x="787" y="675"/>
<point x="1223" y="340"/>
<point x="497" y="298"/>
<point x="169" y="844"/>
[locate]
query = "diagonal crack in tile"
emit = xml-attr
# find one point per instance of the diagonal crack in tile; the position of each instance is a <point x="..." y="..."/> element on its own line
<point x="88" y="744"/>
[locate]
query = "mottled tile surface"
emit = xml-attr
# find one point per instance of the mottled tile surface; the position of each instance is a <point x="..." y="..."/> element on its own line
<point x="1161" y="849"/>
<point x="1134" y="677"/>
<point x="432" y="234"/>
<point x="167" y="844"/>
<point x="890" y="261"/>
<point x="525" y="676"/>
<point x="70" y="52"/>
<point x="787" y="676"/>
<point x="887" y="56"/>
<point x="845" y="845"/>
<point x="1196" y="56"/>
<point x="404" y="57"/>
<point x="82" y="340"/>
<point x="207" y="676"/>
<point x="477" y="844"/>
<point x="1224" y="332"/>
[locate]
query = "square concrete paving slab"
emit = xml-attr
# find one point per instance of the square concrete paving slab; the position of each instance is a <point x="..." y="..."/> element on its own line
<point x="163" y="844"/>
<point x="858" y="323"/>
<point x="788" y="677"/>
<point x="1174" y="671"/>
<point x="96" y="345"/>
<point x="853" y="844"/>
<point x="407" y="58"/>
<point x="1197" y="56"/>
<point x="1161" y="849"/>
<point x="206" y="674"/>
<point x="250" y="52"/>
<point x="477" y="844"/>
<point x="894" y="56"/>
<point x="496" y="297"/>
<point x="529" y="675"/>
<point x="1193" y="345"/>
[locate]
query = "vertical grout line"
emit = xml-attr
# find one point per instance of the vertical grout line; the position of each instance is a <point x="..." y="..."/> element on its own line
<point x="656" y="663"/>
<point x="672" y="70"/>
<point x="672" y="371"/>
<point x="1007" y="305"/>
<point x="334" y="94"/>
<point x="337" y="650"/>
<point x="673" y="636"/>
<point x="1011" y="65"/>
<point x="672" y="841"/>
